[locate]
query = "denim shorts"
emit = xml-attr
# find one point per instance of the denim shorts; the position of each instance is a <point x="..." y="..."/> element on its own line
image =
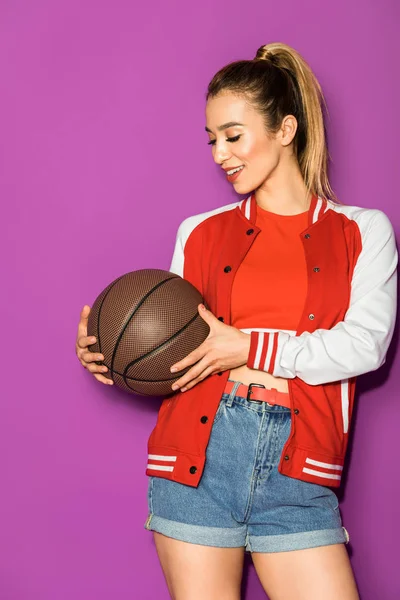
<point x="242" y="499"/>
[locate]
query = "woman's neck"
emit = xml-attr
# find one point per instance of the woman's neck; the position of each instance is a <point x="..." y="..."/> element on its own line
<point x="284" y="192"/>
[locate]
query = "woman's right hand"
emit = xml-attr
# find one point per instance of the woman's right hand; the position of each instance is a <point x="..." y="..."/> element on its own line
<point x="88" y="359"/>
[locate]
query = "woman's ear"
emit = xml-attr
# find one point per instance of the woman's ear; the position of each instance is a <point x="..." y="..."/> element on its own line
<point x="288" y="129"/>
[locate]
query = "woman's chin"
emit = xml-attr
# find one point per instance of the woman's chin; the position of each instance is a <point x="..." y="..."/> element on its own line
<point x="242" y="187"/>
<point x="245" y="192"/>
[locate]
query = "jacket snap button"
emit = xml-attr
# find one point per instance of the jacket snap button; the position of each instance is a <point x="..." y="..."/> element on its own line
<point x="307" y="236"/>
<point x="311" y="316"/>
<point x="250" y="231"/>
<point x="204" y="419"/>
<point x="316" y="269"/>
<point x="286" y="457"/>
<point x="193" y="470"/>
<point x="227" y="269"/>
<point x="296" y="411"/>
<point x="221" y="319"/>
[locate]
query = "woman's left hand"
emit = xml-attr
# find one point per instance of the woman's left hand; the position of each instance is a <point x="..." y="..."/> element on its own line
<point x="224" y="348"/>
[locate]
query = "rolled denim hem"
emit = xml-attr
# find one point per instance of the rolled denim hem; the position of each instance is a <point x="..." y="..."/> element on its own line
<point x="221" y="537"/>
<point x="238" y="536"/>
<point x="297" y="541"/>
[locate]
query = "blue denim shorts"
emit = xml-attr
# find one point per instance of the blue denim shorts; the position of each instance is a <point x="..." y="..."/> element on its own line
<point x="242" y="499"/>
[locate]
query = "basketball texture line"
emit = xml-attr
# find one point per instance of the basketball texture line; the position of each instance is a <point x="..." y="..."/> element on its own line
<point x="192" y="320"/>
<point x="98" y="316"/>
<point x="142" y="301"/>
<point x="175" y="335"/>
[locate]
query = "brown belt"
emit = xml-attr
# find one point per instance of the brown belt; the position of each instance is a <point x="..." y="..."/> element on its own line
<point x="255" y="392"/>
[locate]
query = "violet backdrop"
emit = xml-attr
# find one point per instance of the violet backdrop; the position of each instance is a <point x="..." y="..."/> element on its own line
<point x="103" y="154"/>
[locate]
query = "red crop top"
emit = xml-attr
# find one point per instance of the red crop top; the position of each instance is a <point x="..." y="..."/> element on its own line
<point x="270" y="286"/>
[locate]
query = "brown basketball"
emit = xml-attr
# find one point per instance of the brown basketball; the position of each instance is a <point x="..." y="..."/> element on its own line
<point x="144" y="322"/>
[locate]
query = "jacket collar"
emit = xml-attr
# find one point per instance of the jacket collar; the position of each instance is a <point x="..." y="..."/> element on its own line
<point x="318" y="207"/>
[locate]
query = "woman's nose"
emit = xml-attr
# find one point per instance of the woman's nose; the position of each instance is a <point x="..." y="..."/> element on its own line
<point x="221" y="154"/>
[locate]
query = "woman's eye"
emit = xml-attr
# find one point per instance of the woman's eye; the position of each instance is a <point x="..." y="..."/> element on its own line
<point x="231" y="139"/>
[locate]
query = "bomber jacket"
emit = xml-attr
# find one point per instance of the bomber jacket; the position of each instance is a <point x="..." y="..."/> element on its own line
<point x="344" y="331"/>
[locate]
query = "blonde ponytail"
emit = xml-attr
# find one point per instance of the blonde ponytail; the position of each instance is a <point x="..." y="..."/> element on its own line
<point x="313" y="159"/>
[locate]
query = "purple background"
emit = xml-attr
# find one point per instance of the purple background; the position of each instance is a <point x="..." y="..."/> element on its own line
<point x="103" y="154"/>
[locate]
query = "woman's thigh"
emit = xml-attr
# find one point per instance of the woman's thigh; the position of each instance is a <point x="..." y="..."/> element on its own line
<point x="197" y="572"/>
<point x="310" y="574"/>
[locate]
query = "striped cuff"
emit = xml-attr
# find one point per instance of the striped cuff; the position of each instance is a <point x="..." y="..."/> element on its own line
<point x="265" y="351"/>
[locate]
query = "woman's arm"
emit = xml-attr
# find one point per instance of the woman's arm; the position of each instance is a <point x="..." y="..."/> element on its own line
<point x="356" y="345"/>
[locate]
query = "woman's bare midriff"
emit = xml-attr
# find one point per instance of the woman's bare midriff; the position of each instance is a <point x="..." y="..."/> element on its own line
<point x="246" y="376"/>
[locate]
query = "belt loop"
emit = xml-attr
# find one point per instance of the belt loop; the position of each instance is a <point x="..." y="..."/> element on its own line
<point x="232" y="395"/>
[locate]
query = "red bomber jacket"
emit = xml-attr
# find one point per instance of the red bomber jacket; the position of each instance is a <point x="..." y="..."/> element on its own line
<point x="345" y="330"/>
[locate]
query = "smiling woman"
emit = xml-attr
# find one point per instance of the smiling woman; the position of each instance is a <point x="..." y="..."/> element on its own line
<point x="301" y="292"/>
<point x="247" y="461"/>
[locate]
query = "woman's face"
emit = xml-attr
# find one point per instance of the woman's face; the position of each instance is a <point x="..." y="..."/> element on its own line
<point x="238" y="138"/>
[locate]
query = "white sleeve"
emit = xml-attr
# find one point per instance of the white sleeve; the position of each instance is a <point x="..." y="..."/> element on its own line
<point x="359" y="343"/>
<point x="178" y="255"/>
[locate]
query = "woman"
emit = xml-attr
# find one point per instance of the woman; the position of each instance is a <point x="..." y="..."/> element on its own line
<point x="302" y="296"/>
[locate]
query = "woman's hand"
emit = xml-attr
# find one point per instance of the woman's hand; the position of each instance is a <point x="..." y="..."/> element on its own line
<point x="86" y="358"/>
<point x="224" y="348"/>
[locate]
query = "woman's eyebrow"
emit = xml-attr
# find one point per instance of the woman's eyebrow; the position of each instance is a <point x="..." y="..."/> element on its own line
<point x="226" y="126"/>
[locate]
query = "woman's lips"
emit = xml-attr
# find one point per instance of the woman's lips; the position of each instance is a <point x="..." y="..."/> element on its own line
<point x="233" y="177"/>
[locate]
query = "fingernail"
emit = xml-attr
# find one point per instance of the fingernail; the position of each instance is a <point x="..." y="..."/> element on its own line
<point x="173" y="369"/>
<point x="183" y="389"/>
<point x="202" y="307"/>
<point x="175" y="387"/>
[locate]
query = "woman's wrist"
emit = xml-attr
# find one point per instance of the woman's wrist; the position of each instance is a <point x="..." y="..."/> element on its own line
<point x="245" y="349"/>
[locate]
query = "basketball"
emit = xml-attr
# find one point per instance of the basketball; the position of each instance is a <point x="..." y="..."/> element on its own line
<point x="144" y="322"/>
